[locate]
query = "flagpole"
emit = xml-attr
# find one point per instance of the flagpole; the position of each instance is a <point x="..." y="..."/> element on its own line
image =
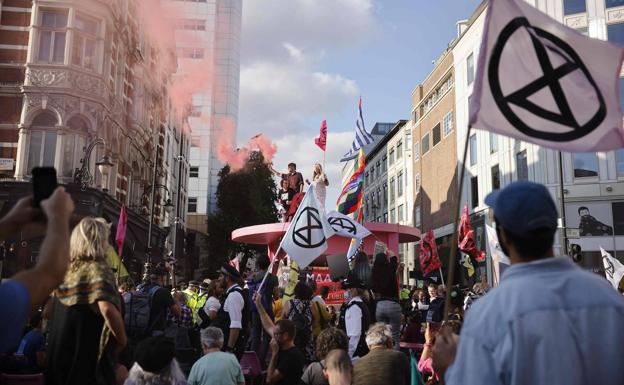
<point x="562" y="208"/>
<point x="453" y="256"/>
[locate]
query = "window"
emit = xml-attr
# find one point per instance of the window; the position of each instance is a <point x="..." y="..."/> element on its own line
<point x="378" y="167"/>
<point x="436" y="135"/>
<point x="425" y="144"/>
<point x="194" y="172"/>
<point x="41" y="149"/>
<point x="73" y="145"/>
<point x="470" y="75"/>
<point x="615" y="32"/>
<point x="474" y="191"/>
<point x="366" y="180"/>
<point x="574" y="6"/>
<point x="448" y="123"/>
<point x="401" y="213"/>
<point x="385" y="163"/>
<point x="191" y="24"/>
<point x="613" y="3"/>
<point x="473" y="150"/>
<point x="619" y="162"/>
<point x="392" y="190"/>
<point x="522" y="167"/>
<point x="585" y="164"/>
<point x="415" y="115"/>
<point x="385" y="194"/>
<point x="378" y="197"/>
<point x="392" y="156"/>
<point x="417" y="183"/>
<point x="190" y="53"/>
<point x="495" y="177"/>
<point x="85" y="42"/>
<point x="400" y="183"/>
<point x="196" y="111"/>
<point x="195" y="140"/>
<point x="393" y="216"/>
<point x="399" y="149"/>
<point x="372" y="173"/>
<point x="192" y="205"/>
<point x="417" y="216"/>
<point x="493" y="143"/>
<point x="417" y="151"/>
<point x="52" y="37"/>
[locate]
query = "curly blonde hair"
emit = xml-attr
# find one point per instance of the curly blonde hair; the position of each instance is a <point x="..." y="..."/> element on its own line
<point x="89" y="241"/>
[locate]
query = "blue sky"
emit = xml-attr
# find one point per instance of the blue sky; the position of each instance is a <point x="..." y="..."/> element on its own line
<point x="303" y="61"/>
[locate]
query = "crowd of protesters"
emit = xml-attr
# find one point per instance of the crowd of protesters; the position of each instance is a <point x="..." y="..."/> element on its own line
<point x="73" y="320"/>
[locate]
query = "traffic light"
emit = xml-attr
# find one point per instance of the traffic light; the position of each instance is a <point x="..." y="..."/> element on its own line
<point x="575" y="252"/>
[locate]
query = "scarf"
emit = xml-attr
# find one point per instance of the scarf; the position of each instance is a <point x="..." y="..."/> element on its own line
<point x="86" y="284"/>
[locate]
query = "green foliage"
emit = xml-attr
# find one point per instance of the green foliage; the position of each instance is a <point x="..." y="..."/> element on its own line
<point x="244" y="198"/>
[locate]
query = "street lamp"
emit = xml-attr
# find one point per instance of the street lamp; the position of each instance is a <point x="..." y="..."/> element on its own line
<point x="168" y="206"/>
<point x="82" y="175"/>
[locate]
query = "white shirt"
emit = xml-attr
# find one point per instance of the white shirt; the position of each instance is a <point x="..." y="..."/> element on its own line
<point x="353" y="324"/>
<point x="319" y="299"/>
<point x="234" y="304"/>
<point x="212" y="304"/>
<point x="318" y="183"/>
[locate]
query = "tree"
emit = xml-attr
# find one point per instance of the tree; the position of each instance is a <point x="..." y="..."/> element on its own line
<point x="244" y="198"/>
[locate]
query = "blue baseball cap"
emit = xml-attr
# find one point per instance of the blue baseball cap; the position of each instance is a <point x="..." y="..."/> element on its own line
<point x="523" y="207"/>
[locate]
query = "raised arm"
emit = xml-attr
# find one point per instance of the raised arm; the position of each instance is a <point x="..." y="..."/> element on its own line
<point x="51" y="266"/>
<point x="267" y="324"/>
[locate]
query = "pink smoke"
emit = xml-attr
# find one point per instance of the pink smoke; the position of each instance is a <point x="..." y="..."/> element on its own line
<point x="237" y="157"/>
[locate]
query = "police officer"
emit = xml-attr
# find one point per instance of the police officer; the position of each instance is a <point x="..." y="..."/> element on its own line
<point x="233" y="317"/>
<point x="355" y="316"/>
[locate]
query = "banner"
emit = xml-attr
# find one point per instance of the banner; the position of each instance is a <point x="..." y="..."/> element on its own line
<point x="614" y="270"/>
<point x="499" y="260"/>
<point x="542" y="82"/>
<point x="346" y="227"/>
<point x="306" y="237"/>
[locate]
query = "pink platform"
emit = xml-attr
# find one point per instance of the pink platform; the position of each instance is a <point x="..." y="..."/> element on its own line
<point x="271" y="233"/>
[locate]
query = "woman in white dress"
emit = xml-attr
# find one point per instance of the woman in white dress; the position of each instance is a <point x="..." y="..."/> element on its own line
<point x="319" y="183"/>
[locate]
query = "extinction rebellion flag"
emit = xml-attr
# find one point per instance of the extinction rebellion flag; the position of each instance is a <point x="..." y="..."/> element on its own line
<point x="542" y="82"/>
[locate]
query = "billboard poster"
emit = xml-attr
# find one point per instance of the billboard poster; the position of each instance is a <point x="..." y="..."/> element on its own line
<point x="592" y="219"/>
<point x="321" y="276"/>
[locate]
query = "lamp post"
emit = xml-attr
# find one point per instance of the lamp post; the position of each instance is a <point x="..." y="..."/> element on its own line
<point x="82" y="175"/>
<point x="168" y="206"/>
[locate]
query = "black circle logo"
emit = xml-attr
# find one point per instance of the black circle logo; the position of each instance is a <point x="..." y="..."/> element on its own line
<point x="304" y="234"/>
<point x="339" y="224"/>
<point x="543" y="42"/>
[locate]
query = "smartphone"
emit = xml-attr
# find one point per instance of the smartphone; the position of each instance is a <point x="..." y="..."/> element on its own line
<point x="44" y="183"/>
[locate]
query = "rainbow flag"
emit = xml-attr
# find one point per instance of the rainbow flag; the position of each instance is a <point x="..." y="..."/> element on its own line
<point x="350" y="199"/>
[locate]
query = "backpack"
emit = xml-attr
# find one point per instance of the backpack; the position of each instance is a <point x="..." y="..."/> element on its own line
<point x="138" y="307"/>
<point x="302" y="325"/>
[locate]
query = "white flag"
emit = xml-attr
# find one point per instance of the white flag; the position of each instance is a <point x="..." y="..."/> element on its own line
<point x="499" y="260"/>
<point x="542" y="82"/>
<point x="346" y="227"/>
<point x="614" y="270"/>
<point x="306" y="237"/>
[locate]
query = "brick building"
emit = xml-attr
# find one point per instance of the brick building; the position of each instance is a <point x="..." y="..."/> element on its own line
<point x="434" y="153"/>
<point x="84" y="72"/>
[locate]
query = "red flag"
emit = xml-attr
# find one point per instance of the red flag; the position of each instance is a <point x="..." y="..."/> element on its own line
<point x="429" y="258"/>
<point x="122" y="225"/>
<point x="321" y="141"/>
<point x="466" y="239"/>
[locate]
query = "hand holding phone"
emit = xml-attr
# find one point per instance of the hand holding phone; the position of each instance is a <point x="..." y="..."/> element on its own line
<point x="44" y="183"/>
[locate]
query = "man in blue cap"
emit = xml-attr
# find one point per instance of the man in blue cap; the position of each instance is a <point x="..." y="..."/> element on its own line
<point x="548" y="321"/>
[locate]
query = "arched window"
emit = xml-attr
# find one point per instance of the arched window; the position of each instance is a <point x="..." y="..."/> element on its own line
<point x="74" y="143"/>
<point x="42" y="143"/>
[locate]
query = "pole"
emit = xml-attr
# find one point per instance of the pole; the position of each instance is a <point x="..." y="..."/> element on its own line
<point x="453" y="256"/>
<point x="178" y="196"/>
<point x="148" y="254"/>
<point x="442" y="276"/>
<point x="562" y="207"/>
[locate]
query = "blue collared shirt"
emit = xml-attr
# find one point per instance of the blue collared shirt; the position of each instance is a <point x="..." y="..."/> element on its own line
<point x="549" y="322"/>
